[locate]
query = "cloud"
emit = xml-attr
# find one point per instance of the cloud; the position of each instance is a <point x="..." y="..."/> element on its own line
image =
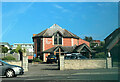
<point x="62" y="8"/>
<point x="58" y="6"/>
<point x="100" y="4"/>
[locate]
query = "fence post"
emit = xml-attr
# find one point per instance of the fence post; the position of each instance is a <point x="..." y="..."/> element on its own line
<point x="61" y="62"/>
<point x="109" y="62"/>
<point x="25" y="63"/>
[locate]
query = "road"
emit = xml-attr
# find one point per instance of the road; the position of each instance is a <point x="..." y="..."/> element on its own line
<point x="51" y="72"/>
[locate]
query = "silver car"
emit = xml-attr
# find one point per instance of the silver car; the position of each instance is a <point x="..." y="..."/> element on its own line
<point x="10" y="70"/>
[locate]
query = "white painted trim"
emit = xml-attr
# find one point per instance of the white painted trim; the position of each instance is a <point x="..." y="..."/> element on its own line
<point x="44" y="57"/>
<point x="43" y="44"/>
<point x="72" y="41"/>
<point x="52" y="40"/>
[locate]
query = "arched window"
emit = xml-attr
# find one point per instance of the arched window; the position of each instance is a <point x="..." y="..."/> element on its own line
<point x="57" y="39"/>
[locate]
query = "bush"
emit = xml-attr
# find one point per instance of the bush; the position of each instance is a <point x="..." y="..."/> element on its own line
<point x="98" y="49"/>
<point x="37" y="60"/>
<point x="8" y="58"/>
<point x="100" y="55"/>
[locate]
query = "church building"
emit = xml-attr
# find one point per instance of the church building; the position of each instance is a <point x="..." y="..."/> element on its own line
<point x="56" y="39"/>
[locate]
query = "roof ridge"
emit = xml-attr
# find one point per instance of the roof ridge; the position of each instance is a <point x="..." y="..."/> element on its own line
<point x="55" y="26"/>
<point x="45" y="31"/>
<point x="69" y="32"/>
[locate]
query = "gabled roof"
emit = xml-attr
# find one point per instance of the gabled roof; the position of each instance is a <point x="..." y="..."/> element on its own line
<point x="64" y="48"/>
<point x="80" y="47"/>
<point x="5" y="43"/>
<point x="69" y="49"/>
<point x="112" y="39"/>
<point x="53" y="29"/>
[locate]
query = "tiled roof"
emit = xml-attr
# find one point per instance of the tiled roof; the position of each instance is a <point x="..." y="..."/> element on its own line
<point x="53" y="29"/>
<point x="69" y="49"/>
<point x="112" y="39"/>
<point x="5" y="43"/>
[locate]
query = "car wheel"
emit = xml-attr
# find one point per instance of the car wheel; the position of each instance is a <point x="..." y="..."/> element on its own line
<point x="10" y="73"/>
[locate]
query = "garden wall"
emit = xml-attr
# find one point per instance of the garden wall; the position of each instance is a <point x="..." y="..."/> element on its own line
<point x="85" y="64"/>
<point x="19" y="63"/>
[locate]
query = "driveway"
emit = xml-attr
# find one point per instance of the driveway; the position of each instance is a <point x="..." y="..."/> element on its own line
<point x="51" y="72"/>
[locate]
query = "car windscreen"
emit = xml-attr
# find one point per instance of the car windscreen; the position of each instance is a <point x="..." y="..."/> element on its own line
<point x="82" y="57"/>
<point x="67" y="57"/>
<point x="73" y="57"/>
<point x="51" y="56"/>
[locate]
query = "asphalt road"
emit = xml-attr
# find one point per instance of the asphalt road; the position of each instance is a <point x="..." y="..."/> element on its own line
<point x="51" y="72"/>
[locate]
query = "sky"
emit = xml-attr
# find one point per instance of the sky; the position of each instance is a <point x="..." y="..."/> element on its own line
<point x="20" y="20"/>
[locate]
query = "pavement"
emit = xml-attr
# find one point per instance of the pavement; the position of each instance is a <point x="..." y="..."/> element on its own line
<point x="51" y="72"/>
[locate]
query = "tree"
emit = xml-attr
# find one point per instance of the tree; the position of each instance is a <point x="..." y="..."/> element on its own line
<point x="99" y="49"/>
<point x="13" y="51"/>
<point x="100" y="55"/>
<point x="89" y="39"/>
<point x="19" y="49"/>
<point x="4" y="50"/>
<point x="24" y="51"/>
<point x="102" y="43"/>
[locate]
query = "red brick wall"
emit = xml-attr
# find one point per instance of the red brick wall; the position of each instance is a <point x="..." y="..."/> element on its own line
<point x="81" y="41"/>
<point x="41" y="45"/>
<point x="35" y="45"/>
<point x="30" y="57"/>
<point x="67" y="42"/>
<point x="46" y="55"/>
<point x="75" y="41"/>
<point x="48" y="43"/>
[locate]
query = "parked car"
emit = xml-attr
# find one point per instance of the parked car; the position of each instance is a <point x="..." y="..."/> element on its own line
<point x="67" y="57"/>
<point x="75" y="57"/>
<point x="9" y="70"/>
<point x="51" y="59"/>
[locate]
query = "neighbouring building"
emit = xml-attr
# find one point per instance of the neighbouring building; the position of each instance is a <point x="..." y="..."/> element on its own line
<point x="28" y="47"/>
<point x="95" y="43"/>
<point x="6" y="44"/>
<point x="112" y="45"/>
<point x="55" y="40"/>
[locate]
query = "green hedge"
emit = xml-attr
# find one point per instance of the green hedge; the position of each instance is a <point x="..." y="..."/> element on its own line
<point x="8" y="58"/>
<point x="37" y="60"/>
<point x="100" y="55"/>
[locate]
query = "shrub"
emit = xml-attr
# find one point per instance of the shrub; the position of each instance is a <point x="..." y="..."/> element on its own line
<point x="98" y="49"/>
<point x="100" y="55"/>
<point x="8" y="58"/>
<point x="37" y="60"/>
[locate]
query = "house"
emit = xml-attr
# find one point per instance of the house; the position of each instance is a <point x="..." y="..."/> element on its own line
<point x="112" y="45"/>
<point x="112" y="39"/>
<point x="28" y="47"/>
<point x="95" y="43"/>
<point x="6" y="44"/>
<point x="56" y="40"/>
